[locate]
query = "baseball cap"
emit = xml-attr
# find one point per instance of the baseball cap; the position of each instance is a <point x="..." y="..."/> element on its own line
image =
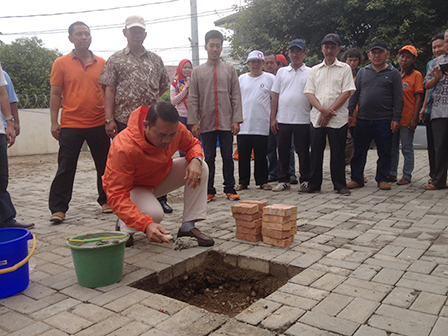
<point x="378" y="45"/>
<point x="298" y="43"/>
<point x="281" y="59"/>
<point x="409" y="48"/>
<point x="255" y="55"/>
<point x="135" y="21"/>
<point x="332" y="38"/>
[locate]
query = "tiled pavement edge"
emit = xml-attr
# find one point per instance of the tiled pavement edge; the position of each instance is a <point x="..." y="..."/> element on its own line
<point x="375" y="263"/>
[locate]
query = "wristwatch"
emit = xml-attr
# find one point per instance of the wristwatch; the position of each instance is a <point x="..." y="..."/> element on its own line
<point x="10" y="118"/>
<point x="108" y="121"/>
<point x="198" y="158"/>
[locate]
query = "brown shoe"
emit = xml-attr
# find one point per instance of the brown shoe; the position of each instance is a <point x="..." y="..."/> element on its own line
<point x="430" y="187"/>
<point x="384" y="186"/>
<point x="403" y="181"/>
<point x="202" y="239"/>
<point x="353" y="185"/>
<point x="391" y="178"/>
<point x="57" y="217"/>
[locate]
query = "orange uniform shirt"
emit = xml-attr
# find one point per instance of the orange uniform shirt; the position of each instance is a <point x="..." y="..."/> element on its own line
<point x="412" y="85"/>
<point x="83" y="96"/>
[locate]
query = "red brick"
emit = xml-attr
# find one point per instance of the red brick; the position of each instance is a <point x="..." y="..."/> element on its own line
<point x="244" y="230"/>
<point x="248" y="218"/>
<point x="294" y="228"/>
<point x="278" y="242"/>
<point x="277" y="226"/>
<point x="276" y="219"/>
<point x="276" y="234"/>
<point x="277" y="210"/>
<point x="248" y="237"/>
<point x="261" y="204"/>
<point x="248" y="224"/>
<point x="245" y="208"/>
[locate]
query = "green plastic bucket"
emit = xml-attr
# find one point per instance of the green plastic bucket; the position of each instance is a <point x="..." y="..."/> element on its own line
<point x="98" y="258"/>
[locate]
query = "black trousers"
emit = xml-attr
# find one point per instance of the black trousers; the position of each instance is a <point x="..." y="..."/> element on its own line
<point x="301" y="134"/>
<point x="337" y="138"/>
<point x="259" y="143"/>
<point x="430" y="145"/>
<point x="70" y="143"/>
<point x="440" y="136"/>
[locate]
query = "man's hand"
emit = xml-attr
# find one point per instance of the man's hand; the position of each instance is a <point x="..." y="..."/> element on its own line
<point x="413" y="124"/>
<point x="274" y="126"/>
<point x="350" y="121"/>
<point x="156" y="233"/>
<point x="17" y="127"/>
<point x="55" y="130"/>
<point x="10" y="135"/>
<point x="193" y="173"/>
<point x="196" y="130"/>
<point x="235" y="128"/>
<point x="111" y="129"/>
<point x="437" y="72"/>
<point x="394" y="126"/>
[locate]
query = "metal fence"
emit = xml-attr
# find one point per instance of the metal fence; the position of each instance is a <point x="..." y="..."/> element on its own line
<point x="29" y="101"/>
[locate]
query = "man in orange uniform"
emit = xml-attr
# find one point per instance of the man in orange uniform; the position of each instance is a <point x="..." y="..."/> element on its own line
<point x="75" y="77"/>
<point x="140" y="168"/>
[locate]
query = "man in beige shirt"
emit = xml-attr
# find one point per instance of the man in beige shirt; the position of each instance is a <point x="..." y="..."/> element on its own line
<point x="215" y="111"/>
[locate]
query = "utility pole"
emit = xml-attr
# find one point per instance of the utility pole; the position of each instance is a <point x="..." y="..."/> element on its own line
<point x="194" y="33"/>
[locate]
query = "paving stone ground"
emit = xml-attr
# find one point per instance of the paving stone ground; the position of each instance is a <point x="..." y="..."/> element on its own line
<point x="375" y="263"/>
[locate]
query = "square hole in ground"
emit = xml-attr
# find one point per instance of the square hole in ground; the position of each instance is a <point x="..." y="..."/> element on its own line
<point x="220" y="287"/>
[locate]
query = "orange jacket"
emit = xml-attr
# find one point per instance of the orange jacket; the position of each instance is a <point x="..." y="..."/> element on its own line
<point x="133" y="162"/>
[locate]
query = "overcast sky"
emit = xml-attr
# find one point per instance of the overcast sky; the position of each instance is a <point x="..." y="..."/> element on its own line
<point x="168" y="39"/>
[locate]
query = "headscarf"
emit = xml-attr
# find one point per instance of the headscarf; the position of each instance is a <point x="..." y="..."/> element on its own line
<point x="179" y="80"/>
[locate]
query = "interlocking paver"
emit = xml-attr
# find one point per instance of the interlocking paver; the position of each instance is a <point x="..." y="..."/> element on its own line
<point x="373" y="264"/>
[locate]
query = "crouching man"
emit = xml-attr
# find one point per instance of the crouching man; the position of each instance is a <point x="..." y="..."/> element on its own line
<point x="140" y="168"/>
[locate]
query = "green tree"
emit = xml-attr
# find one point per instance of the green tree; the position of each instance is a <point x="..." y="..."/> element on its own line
<point x="28" y="63"/>
<point x="271" y="25"/>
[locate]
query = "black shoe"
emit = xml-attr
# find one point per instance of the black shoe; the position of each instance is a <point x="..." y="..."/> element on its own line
<point x="22" y="225"/>
<point x="308" y="190"/>
<point x="344" y="192"/>
<point x="166" y="208"/>
<point x="294" y="181"/>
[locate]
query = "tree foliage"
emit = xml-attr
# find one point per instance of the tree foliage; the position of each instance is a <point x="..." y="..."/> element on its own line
<point x="28" y="63"/>
<point x="272" y="24"/>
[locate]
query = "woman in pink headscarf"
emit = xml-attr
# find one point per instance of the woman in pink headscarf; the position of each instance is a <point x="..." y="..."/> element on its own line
<point x="179" y="89"/>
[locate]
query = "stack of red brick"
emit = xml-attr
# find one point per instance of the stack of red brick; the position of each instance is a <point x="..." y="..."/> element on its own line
<point x="275" y="224"/>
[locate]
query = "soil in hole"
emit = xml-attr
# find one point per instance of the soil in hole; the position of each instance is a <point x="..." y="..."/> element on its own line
<point x="216" y="286"/>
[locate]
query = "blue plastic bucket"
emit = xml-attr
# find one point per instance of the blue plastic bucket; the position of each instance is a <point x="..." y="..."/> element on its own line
<point x="14" y="271"/>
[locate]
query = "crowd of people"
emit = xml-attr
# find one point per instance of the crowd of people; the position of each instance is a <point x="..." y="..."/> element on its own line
<point x="274" y="110"/>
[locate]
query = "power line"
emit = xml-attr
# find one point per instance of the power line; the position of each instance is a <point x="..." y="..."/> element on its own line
<point x="120" y="25"/>
<point x="86" y="11"/>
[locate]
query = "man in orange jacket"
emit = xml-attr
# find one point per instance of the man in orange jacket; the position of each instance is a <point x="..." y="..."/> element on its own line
<point x="140" y="168"/>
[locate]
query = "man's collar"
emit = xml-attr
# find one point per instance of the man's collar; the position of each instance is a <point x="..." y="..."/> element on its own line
<point x="213" y="63"/>
<point x="128" y="50"/>
<point x="290" y="68"/>
<point x="94" y="59"/>
<point x="335" y="63"/>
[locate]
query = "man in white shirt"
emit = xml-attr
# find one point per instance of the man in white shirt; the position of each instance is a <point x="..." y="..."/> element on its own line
<point x="329" y="86"/>
<point x="254" y="131"/>
<point x="290" y="115"/>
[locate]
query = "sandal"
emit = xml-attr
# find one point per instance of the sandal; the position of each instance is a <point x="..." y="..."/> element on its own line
<point x="241" y="187"/>
<point x="266" y="187"/>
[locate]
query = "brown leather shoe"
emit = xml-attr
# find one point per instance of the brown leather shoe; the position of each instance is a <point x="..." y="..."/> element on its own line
<point x="430" y="187"/>
<point x="202" y="239"/>
<point x="403" y="181"/>
<point x="391" y="178"/>
<point x="354" y="185"/>
<point x="384" y="186"/>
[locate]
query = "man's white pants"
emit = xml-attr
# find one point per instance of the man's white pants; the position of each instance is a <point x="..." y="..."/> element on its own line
<point x="195" y="200"/>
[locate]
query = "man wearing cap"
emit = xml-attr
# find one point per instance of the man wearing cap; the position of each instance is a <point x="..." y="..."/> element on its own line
<point x="133" y="77"/>
<point x="75" y="78"/>
<point x="290" y="116"/>
<point x="215" y="112"/>
<point x="254" y="131"/>
<point x="328" y="88"/>
<point x="379" y="95"/>
<point x="438" y="80"/>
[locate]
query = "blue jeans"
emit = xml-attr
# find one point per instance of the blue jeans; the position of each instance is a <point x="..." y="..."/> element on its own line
<point x="209" y="140"/>
<point x="406" y="137"/>
<point x="7" y="210"/>
<point x="366" y="130"/>
<point x="183" y="120"/>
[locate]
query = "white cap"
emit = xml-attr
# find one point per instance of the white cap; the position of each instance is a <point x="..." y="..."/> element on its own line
<point x="254" y="55"/>
<point x="135" y="21"/>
